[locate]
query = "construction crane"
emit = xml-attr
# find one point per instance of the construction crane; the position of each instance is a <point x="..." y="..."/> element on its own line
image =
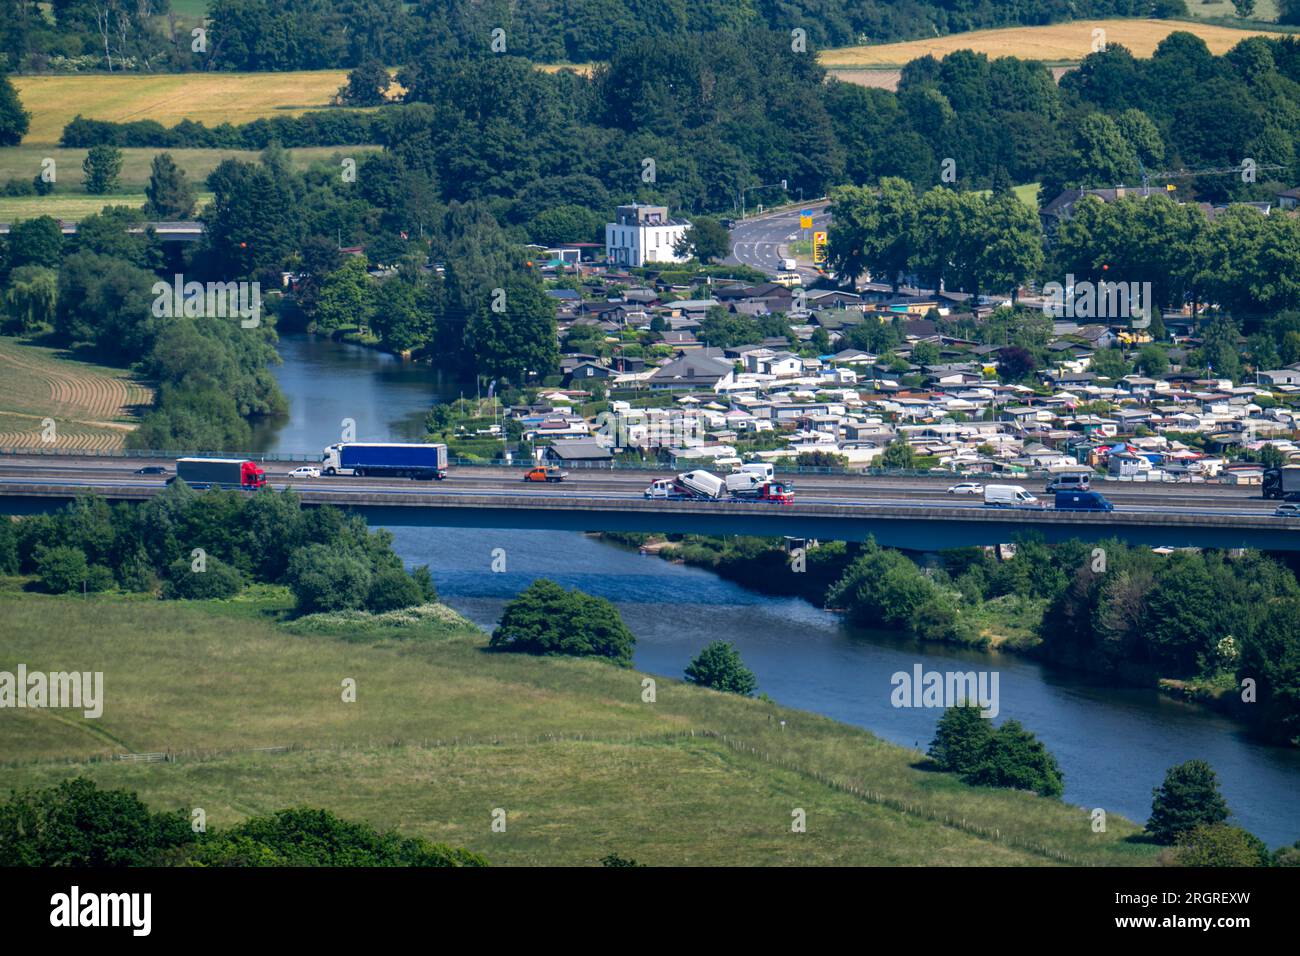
<point x="1192" y="173"/>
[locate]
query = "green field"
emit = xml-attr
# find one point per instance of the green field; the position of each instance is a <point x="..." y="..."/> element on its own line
<point x="24" y="162"/>
<point x="442" y="733"/>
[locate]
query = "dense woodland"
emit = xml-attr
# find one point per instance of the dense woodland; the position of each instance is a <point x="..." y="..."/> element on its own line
<point x="319" y="34"/>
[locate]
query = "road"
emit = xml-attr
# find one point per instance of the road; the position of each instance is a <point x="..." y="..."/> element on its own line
<point x="761" y="242"/>
<point x="856" y="490"/>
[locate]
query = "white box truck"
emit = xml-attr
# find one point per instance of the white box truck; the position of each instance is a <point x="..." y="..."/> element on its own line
<point x="788" y="265"/>
<point x="1009" y="496"/>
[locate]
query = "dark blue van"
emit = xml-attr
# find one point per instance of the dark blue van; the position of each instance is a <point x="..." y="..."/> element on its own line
<point x="1082" y="501"/>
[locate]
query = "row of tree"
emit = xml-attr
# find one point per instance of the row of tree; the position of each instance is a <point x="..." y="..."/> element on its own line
<point x="183" y="544"/>
<point x="76" y="824"/>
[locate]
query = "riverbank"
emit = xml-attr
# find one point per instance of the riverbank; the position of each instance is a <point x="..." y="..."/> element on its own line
<point x="441" y="732"/>
<point x="960" y="610"/>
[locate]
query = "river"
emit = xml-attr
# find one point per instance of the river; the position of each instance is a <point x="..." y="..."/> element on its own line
<point x="1113" y="745"/>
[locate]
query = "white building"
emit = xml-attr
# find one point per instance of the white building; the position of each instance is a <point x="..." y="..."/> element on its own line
<point x="642" y="234"/>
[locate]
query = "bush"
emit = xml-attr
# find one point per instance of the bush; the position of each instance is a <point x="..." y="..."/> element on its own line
<point x="546" y="619"/>
<point x="309" y="837"/>
<point x="1015" y="758"/>
<point x="325" y="578"/>
<point x="719" y="666"/>
<point x="1217" y="844"/>
<point x="393" y="589"/>
<point x="216" y="580"/>
<point x="62" y="569"/>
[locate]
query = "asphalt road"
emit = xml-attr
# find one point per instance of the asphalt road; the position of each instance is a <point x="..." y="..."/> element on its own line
<point x="761" y="242"/>
<point x="859" y="490"/>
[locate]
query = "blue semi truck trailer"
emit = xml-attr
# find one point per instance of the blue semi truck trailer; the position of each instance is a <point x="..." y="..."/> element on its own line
<point x="385" y="460"/>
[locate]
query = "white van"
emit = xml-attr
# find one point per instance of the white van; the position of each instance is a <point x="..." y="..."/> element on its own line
<point x="1069" y="481"/>
<point x="763" y="470"/>
<point x="1009" y="496"/>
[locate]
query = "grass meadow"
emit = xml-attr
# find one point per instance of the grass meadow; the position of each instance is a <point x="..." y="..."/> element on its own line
<point x="442" y="732"/>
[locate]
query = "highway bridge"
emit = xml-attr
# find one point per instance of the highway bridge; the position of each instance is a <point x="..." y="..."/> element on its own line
<point x="178" y="231"/>
<point x="914" y="513"/>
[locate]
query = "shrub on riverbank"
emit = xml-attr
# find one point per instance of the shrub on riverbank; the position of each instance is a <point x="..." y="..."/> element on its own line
<point x="547" y="619"/>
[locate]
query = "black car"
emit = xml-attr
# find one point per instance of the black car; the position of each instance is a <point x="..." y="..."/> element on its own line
<point x="152" y="470"/>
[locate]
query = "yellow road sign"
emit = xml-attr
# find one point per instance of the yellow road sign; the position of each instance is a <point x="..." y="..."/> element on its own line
<point x="819" y="248"/>
<point x="805" y="222"/>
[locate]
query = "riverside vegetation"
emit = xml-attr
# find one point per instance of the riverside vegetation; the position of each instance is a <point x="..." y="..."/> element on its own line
<point x="1206" y="620"/>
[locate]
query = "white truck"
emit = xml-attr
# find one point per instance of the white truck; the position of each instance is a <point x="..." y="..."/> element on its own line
<point x="788" y="265"/>
<point x="1009" y="496"/>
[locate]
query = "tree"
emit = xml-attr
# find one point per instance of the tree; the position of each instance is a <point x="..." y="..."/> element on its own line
<point x="169" y="194"/>
<point x="1188" y="798"/>
<point x="960" y="738"/>
<point x="75" y="824"/>
<point x="346" y="297"/>
<point x="32" y="297"/>
<point x="719" y="666"/>
<point x="1245" y="8"/>
<point x="1152" y="361"/>
<point x="14" y="119"/>
<point x="393" y="589"/>
<point x="367" y="85"/>
<point x="1109" y="363"/>
<point x="1015" y="363"/>
<point x="62" y="569"/>
<point x="101" y="167"/>
<point x="328" y="578"/>
<point x="547" y="619"/>
<point x="1015" y="758"/>
<point x="706" y="239"/>
<point x="873" y="230"/>
<point x="217" y="580"/>
<point x="898" y="454"/>
<point x="36" y="242"/>
<point x="1218" y="844"/>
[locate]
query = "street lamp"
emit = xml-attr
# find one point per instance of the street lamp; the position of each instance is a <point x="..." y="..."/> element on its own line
<point x="782" y="184"/>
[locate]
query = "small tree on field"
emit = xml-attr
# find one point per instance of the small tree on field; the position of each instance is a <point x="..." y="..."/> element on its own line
<point x="960" y="739"/>
<point x="1188" y="798"/>
<point x="719" y="666"/>
<point x="102" y="166"/>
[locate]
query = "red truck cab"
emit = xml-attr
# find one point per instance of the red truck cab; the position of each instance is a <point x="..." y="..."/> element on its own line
<point x="251" y="475"/>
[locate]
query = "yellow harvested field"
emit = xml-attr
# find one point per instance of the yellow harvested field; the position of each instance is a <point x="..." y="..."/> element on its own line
<point x="1058" y="43"/>
<point x="92" y="406"/>
<point x="210" y="98"/>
